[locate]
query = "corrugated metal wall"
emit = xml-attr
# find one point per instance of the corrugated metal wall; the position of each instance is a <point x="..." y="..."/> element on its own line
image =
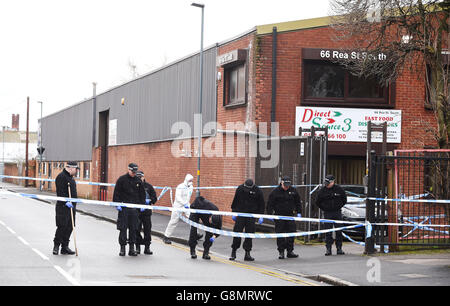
<point x="67" y="135"/>
<point x="153" y="103"/>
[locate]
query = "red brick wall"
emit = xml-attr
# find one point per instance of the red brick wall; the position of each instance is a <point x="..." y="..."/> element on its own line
<point x="12" y="169"/>
<point x="161" y="168"/>
<point x="410" y="90"/>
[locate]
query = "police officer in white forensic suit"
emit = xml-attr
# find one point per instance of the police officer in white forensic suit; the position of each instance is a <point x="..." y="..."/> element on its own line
<point x="182" y="199"/>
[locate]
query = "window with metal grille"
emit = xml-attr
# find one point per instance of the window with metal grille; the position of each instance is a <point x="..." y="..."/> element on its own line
<point x="235" y="85"/>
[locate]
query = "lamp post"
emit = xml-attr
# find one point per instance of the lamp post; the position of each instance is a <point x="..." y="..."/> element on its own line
<point x="40" y="148"/>
<point x="202" y="6"/>
<point x="3" y="150"/>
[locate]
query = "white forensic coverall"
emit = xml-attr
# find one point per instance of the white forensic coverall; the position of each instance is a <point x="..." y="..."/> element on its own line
<point x="182" y="197"/>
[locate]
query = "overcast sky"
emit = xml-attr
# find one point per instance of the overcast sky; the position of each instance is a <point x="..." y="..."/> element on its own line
<point x="52" y="50"/>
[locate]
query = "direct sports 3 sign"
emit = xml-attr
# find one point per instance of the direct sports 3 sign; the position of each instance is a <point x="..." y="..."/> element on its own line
<point x="349" y="124"/>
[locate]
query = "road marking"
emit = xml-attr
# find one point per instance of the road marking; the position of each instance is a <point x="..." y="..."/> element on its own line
<point x="253" y="268"/>
<point x="58" y="268"/>
<point x="23" y="241"/>
<point x="40" y="254"/>
<point x="69" y="277"/>
<point x="10" y="229"/>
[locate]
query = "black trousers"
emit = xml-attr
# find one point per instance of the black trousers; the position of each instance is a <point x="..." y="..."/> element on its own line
<point x="145" y="224"/>
<point x="249" y="225"/>
<point x="329" y="236"/>
<point x="64" y="227"/>
<point x="130" y="229"/>
<point x="285" y="226"/>
<point x="193" y="233"/>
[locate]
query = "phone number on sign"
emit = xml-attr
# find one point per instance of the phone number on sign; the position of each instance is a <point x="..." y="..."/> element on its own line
<point x="337" y="136"/>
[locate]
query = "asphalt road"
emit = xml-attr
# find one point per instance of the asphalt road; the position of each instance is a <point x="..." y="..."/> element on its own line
<point x="27" y="228"/>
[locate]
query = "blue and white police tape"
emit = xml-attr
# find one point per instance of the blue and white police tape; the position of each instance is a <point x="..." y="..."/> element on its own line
<point x="263" y="235"/>
<point x="409" y="200"/>
<point x="200" y="211"/>
<point x="386" y="248"/>
<point x="52" y="180"/>
<point x="425" y="228"/>
<point x="156" y="187"/>
<point x="164" y="208"/>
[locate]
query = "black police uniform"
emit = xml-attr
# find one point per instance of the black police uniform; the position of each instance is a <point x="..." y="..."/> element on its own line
<point x="145" y="218"/>
<point x="331" y="200"/>
<point x="63" y="215"/>
<point x="246" y="200"/>
<point x="284" y="203"/>
<point x="216" y="222"/>
<point x="128" y="189"/>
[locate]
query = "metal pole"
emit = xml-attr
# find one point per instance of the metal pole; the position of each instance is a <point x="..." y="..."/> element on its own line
<point x="41" y="146"/>
<point x="3" y="151"/>
<point x="369" y="247"/>
<point x="202" y="6"/>
<point x="27" y="140"/>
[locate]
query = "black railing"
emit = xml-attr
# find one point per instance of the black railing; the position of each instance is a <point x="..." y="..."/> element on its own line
<point x="409" y="175"/>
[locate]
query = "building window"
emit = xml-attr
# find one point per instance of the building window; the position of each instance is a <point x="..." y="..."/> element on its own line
<point x="328" y="83"/>
<point x="324" y="80"/>
<point x="235" y="85"/>
<point x="86" y="170"/>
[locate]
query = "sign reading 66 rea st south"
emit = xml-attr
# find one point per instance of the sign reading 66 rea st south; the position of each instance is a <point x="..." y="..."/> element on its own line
<point x="350" y="124"/>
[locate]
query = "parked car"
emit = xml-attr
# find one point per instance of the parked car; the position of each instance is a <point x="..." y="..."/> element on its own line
<point x="355" y="209"/>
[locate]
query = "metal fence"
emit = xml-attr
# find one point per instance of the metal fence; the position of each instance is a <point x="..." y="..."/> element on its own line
<point x="410" y="175"/>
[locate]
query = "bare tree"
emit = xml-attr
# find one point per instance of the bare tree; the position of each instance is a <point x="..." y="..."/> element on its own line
<point x="394" y="35"/>
<point x="133" y="69"/>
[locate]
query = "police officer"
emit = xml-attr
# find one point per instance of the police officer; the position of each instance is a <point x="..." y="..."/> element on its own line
<point x="248" y="198"/>
<point x="145" y="217"/>
<point x="129" y="189"/>
<point x="182" y="199"/>
<point x="63" y="214"/>
<point x="284" y="201"/>
<point x="331" y="198"/>
<point x="209" y="220"/>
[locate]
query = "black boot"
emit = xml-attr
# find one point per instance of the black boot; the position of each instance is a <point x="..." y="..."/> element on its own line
<point x="138" y="249"/>
<point x="131" y="251"/>
<point x="328" y="252"/>
<point x="147" y="250"/>
<point x="66" y="251"/>
<point x="193" y="254"/>
<point x="122" y="250"/>
<point x="291" y="254"/>
<point x="248" y="257"/>
<point x="55" y="249"/>
<point x="339" y="251"/>
<point x="206" y="254"/>
<point x="233" y="254"/>
<point x="281" y="256"/>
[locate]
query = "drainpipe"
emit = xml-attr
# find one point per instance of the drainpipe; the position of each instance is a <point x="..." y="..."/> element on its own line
<point x="274" y="75"/>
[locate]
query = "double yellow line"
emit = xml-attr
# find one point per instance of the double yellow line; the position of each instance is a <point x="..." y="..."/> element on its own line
<point x="254" y="268"/>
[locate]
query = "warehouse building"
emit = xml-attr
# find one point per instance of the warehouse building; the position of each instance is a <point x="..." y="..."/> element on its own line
<point x="283" y="73"/>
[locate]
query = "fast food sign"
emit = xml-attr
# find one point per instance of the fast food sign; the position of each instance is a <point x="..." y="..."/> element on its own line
<point x="349" y="124"/>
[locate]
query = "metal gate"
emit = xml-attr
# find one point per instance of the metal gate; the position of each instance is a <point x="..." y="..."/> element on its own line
<point x="409" y="175"/>
<point x="304" y="159"/>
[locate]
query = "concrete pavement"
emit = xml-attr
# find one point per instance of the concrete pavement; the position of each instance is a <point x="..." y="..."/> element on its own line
<point x="351" y="269"/>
